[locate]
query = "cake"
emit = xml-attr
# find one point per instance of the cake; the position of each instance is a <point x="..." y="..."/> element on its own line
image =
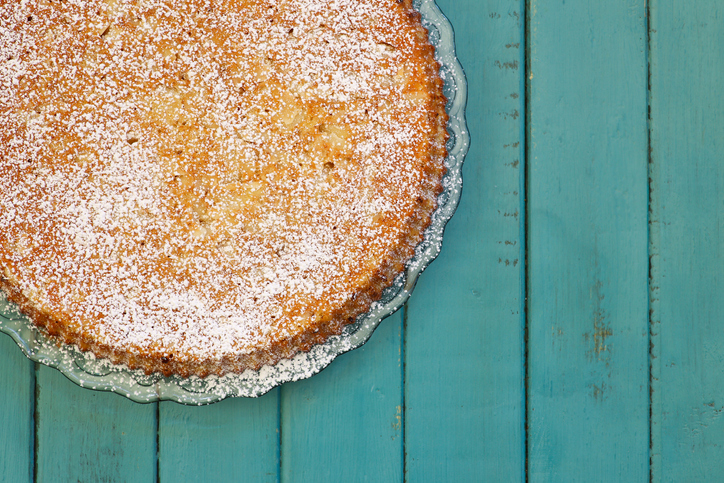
<point x="199" y="187"/>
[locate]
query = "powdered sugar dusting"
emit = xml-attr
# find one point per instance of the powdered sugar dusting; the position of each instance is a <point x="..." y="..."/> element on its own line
<point x="200" y="179"/>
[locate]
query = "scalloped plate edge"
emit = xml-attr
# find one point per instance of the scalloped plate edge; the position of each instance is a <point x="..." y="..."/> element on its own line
<point x="86" y="371"/>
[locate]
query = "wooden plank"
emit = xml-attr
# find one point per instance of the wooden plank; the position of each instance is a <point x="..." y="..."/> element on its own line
<point x="687" y="240"/>
<point x="233" y="440"/>
<point x="345" y="424"/>
<point x="464" y="399"/>
<point x="84" y="435"/>
<point x="17" y="405"/>
<point x="588" y="269"/>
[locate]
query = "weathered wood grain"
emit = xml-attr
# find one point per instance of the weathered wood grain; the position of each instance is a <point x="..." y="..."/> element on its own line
<point x="464" y="401"/>
<point x="687" y="239"/>
<point x="587" y="227"/>
<point x="17" y="403"/>
<point x="234" y="440"/>
<point x="84" y="435"/>
<point x="345" y="423"/>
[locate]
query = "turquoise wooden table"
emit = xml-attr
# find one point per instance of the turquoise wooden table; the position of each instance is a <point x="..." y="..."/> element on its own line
<point x="571" y="330"/>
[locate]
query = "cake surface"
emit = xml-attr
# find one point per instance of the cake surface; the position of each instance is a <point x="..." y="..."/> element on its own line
<point x="203" y="187"/>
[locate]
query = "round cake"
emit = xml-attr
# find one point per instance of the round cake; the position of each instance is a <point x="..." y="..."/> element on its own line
<point x="209" y="186"/>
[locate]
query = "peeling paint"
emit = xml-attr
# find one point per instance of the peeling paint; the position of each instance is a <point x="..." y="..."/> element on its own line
<point x="397" y="424"/>
<point x="598" y="391"/>
<point x="507" y="65"/>
<point x="508" y="262"/>
<point x="601" y="328"/>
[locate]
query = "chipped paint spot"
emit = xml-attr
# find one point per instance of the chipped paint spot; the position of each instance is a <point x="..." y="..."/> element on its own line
<point x="514" y="214"/>
<point x="601" y="328"/>
<point x="507" y="65"/>
<point x="397" y="423"/>
<point x="598" y="391"/>
<point x="601" y="331"/>
<point x="514" y="115"/>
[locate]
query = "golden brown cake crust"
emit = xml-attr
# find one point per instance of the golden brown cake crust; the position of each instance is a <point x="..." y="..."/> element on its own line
<point x="203" y="187"/>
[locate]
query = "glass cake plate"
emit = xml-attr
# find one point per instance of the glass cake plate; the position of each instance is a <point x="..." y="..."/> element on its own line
<point x="86" y="370"/>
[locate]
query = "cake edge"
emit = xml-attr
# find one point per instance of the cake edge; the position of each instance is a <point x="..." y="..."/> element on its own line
<point x="286" y="348"/>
